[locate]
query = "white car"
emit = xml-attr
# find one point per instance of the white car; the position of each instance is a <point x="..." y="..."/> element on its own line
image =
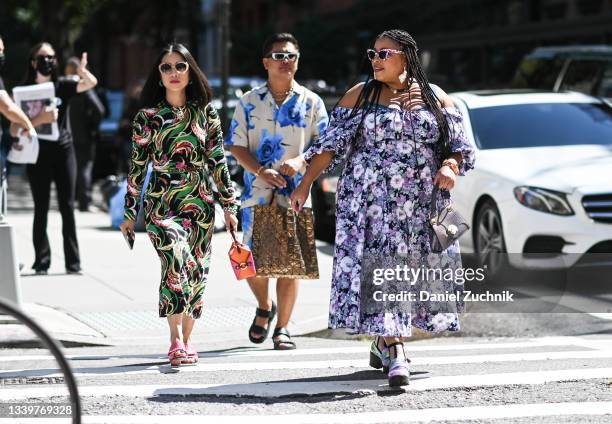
<point x="543" y="176"/>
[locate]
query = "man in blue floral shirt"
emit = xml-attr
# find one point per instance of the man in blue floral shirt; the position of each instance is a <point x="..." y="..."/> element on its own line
<point x="272" y="126"/>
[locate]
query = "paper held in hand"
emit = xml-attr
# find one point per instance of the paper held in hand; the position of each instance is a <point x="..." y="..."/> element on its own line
<point x="24" y="150"/>
<point x="33" y="99"/>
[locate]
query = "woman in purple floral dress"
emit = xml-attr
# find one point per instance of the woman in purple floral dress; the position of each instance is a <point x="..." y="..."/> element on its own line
<point x="398" y="136"/>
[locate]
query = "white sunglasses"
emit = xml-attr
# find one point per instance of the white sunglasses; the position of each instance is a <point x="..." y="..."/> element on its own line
<point x="284" y="56"/>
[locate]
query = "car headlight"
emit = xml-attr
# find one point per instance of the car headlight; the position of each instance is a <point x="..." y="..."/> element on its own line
<point x="543" y="200"/>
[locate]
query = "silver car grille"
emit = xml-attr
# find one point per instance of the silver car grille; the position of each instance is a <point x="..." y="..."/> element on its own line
<point x="598" y="207"/>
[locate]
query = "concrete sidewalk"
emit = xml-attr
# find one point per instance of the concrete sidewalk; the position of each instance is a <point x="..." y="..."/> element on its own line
<point x="114" y="302"/>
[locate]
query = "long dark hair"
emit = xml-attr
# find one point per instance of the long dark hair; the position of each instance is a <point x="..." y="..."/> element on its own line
<point x="30" y="76"/>
<point x="369" y="97"/>
<point x="197" y="91"/>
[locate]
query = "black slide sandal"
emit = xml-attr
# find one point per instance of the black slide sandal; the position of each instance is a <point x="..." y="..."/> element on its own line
<point x="259" y="330"/>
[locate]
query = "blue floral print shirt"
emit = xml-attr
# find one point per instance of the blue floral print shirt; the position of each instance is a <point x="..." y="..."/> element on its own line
<point x="274" y="134"/>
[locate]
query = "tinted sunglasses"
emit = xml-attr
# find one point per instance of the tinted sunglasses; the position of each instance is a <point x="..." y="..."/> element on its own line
<point x="382" y="54"/>
<point x="180" y="67"/>
<point x="284" y="56"/>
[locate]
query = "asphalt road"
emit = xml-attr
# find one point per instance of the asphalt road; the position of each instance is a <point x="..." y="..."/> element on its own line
<point x="500" y="364"/>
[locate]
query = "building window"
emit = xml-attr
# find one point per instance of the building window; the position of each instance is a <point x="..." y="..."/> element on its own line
<point x="555" y="10"/>
<point x="589" y="7"/>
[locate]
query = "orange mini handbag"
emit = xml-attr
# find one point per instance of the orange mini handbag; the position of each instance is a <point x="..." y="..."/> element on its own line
<point x="241" y="259"/>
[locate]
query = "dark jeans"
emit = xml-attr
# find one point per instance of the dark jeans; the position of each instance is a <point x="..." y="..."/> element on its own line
<point x="85" y="162"/>
<point x="55" y="163"/>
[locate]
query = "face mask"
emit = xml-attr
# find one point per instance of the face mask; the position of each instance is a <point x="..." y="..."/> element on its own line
<point x="2" y="60"/>
<point x="45" y="65"/>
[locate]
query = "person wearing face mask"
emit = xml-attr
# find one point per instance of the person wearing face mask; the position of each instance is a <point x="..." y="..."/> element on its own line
<point x="13" y="113"/>
<point x="56" y="159"/>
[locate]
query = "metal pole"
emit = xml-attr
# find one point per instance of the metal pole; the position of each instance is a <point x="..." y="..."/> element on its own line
<point x="225" y="55"/>
<point x="10" y="287"/>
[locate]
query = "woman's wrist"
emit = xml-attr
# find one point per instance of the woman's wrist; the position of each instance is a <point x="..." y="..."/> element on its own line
<point x="452" y="165"/>
<point x="259" y="170"/>
<point x="36" y="121"/>
<point x="85" y="75"/>
<point x="233" y="209"/>
<point x="307" y="179"/>
<point x="129" y="215"/>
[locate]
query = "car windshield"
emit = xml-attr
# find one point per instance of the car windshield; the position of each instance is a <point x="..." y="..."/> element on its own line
<point x="542" y="124"/>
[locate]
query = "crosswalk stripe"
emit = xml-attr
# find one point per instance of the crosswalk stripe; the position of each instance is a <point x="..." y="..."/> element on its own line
<point x="280" y="389"/>
<point x="493" y="344"/>
<point x="603" y="315"/>
<point x="319" y="364"/>
<point x="520" y="410"/>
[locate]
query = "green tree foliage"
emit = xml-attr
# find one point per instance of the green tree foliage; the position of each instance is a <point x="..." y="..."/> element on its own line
<point x="57" y="21"/>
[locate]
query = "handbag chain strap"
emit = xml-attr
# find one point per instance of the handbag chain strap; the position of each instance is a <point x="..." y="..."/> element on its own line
<point x="434" y="215"/>
<point x="235" y="243"/>
<point x="433" y="210"/>
<point x="272" y="197"/>
<point x="416" y="157"/>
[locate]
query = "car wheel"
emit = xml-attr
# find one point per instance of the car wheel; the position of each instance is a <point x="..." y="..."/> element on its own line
<point x="489" y="238"/>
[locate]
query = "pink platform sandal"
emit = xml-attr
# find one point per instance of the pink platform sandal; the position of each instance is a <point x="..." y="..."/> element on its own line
<point x="192" y="354"/>
<point x="177" y="354"/>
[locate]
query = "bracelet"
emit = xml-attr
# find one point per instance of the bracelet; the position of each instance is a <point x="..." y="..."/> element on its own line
<point x="230" y="209"/>
<point x="259" y="170"/>
<point x="452" y="165"/>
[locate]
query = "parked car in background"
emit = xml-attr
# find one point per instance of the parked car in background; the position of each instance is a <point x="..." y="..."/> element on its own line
<point x="237" y="86"/>
<point x="542" y="182"/>
<point x="587" y="69"/>
<point x="543" y="177"/>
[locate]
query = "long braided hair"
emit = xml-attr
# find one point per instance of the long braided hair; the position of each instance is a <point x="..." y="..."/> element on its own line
<point x="369" y="97"/>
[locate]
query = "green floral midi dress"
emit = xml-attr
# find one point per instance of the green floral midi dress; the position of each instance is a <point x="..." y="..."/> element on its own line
<point x="185" y="148"/>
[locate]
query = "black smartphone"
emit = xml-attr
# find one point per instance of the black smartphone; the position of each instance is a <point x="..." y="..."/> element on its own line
<point x="129" y="238"/>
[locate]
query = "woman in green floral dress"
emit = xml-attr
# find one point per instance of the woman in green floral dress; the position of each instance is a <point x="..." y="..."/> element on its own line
<point x="179" y="132"/>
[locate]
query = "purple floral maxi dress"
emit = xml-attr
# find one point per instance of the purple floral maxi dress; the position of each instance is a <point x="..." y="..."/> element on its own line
<point x="383" y="203"/>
